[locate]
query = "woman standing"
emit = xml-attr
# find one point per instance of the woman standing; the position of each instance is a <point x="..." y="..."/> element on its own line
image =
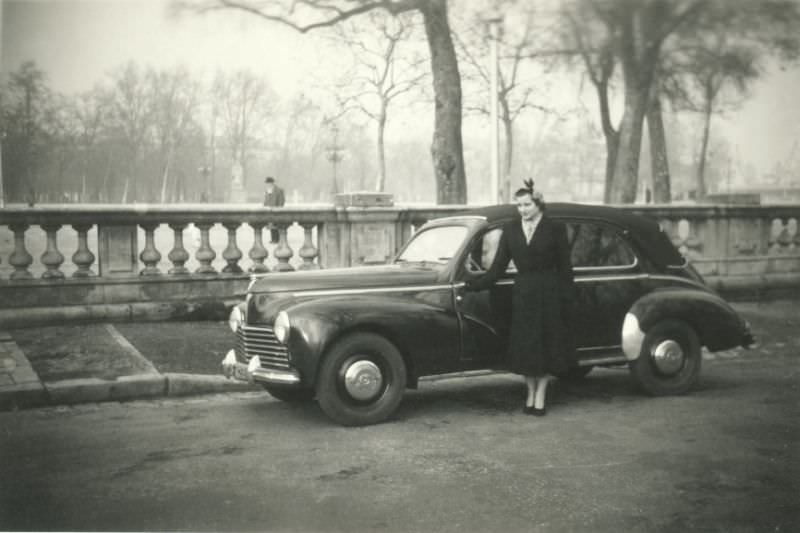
<point x="540" y="343"/>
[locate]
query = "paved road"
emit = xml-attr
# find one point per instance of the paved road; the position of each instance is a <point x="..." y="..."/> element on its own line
<point x="459" y="456"/>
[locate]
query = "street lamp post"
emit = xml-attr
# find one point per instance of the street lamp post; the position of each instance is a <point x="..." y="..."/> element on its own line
<point x="494" y="35"/>
<point x="334" y="155"/>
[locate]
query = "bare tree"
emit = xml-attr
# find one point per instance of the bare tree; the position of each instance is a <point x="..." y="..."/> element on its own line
<point x="302" y="117"/>
<point x="382" y="72"/>
<point x="61" y="133"/>
<point x="519" y="41"/>
<point x="130" y="113"/>
<point x="640" y="36"/>
<point x="593" y="42"/>
<point x="245" y="102"/>
<point x="26" y="102"/>
<point x="308" y="15"/>
<point x="175" y="100"/>
<point x="89" y="114"/>
<point x="712" y="64"/>
<point x="639" y="30"/>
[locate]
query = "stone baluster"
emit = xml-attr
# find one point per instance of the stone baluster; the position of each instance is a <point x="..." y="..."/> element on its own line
<point x="232" y="253"/>
<point x="205" y="254"/>
<point x="258" y="253"/>
<point x="150" y="256"/>
<point x="308" y="252"/>
<point x="20" y="259"/>
<point x="283" y="252"/>
<point x="52" y="258"/>
<point x="83" y="257"/>
<point x="178" y="255"/>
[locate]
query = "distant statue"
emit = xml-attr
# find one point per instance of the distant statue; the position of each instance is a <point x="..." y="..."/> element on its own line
<point x="238" y="194"/>
<point x="237" y="175"/>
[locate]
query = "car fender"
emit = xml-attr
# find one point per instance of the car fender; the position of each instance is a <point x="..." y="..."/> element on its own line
<point x="717" y="324"/>
<point x="407" y="322"/>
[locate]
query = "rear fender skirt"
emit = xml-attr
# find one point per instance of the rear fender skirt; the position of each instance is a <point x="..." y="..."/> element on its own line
<point x="718" y="326"/>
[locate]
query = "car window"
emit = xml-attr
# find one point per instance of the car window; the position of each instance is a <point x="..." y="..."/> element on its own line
<point x="434" y="246"/>
<point x="484" y="251"/>
<point x="598" y="246"/>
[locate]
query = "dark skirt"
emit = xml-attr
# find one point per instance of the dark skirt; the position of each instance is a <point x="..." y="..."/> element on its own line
<point x="540" y="340"/>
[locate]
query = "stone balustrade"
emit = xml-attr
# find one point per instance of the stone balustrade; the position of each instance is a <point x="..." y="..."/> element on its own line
<point x="740" y="250"/>
<point x="136" y="261"/>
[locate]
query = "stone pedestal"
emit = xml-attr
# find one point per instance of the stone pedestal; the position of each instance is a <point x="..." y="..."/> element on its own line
<point x="118" y="246"/>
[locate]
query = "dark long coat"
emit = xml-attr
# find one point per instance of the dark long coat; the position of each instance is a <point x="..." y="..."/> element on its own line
<point x="542" y="298"/>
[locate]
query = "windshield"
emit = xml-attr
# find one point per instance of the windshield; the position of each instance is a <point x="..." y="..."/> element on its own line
<point x="435" y="246"/>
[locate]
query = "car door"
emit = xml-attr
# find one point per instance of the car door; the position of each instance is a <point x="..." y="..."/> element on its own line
<point x="608" y="280"/>
<point x="484" y="316"/>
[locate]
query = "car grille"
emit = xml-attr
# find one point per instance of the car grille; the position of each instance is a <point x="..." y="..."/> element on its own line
<point x="262" y="342"/>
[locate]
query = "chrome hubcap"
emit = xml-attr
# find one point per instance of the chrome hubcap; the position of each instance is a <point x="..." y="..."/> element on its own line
<point x="363" y="380"/>
<point x="668" y="356"/>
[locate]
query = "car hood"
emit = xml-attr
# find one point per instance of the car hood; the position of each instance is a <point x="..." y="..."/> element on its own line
<point x="344" y="278"/>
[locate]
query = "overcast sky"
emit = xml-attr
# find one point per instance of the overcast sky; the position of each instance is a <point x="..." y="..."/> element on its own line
<point x="76" y="42"/>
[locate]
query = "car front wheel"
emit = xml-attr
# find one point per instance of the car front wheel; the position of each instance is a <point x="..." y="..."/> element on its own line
<point x="669" y="361"/>
<point x="361" y="380"/>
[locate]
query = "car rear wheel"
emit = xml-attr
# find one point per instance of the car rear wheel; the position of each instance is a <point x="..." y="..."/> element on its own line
<point x="670" y="359"/>
<point x="290" y="394"/>
<point x="361" y="380"/>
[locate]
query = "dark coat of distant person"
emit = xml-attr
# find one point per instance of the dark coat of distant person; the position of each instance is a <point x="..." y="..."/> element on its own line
<point x="273" y="197"/>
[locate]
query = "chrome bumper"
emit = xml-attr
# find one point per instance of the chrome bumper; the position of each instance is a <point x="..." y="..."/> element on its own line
<point x="254" y="373"/>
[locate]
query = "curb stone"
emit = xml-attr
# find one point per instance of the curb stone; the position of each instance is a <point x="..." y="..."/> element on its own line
<point x="72" y="391"/>
<point x="19" y="385"/>
<point x="23" y="396"/>
<point x="192" y="384"/>
<point x="139" y="386"/>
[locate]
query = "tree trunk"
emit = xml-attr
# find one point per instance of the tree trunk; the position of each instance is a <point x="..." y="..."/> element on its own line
<point x="508" y="130"/>
<point x="701" y="164"/>
<point x="165" y="175"/>
<point x="662" y="189"/>
<point x="612" y="147"/>
<point x="446" y="147"/>
<point x="380" y="186"/>
<point x="626" y="166"/>
<point x="611" y="135"/>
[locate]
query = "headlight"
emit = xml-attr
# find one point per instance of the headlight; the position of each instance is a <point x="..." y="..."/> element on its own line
<point x="236" y="318"/>
<point x="282" y="326"/>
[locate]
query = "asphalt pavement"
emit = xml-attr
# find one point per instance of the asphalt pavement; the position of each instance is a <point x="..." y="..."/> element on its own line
<point x="458" y="455"/>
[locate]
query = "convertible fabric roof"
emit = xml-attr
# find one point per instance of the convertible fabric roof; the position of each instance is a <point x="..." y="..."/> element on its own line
<point x="644" y="231"/>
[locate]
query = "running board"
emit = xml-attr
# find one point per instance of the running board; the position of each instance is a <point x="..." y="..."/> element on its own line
<point x="604" y="361"/>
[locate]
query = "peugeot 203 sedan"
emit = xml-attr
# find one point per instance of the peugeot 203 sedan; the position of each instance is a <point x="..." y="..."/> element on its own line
<point x="356" y="338"/>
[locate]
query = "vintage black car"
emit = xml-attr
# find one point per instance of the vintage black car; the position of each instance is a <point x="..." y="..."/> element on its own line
<point x="356" y="338"/>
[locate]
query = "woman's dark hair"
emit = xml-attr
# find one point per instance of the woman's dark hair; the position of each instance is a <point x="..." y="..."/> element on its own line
<point x="535" y="195"/>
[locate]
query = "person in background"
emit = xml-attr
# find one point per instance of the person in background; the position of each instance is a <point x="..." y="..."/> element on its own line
<point x="542" y="298"/>
<point x="273" y="197"/>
